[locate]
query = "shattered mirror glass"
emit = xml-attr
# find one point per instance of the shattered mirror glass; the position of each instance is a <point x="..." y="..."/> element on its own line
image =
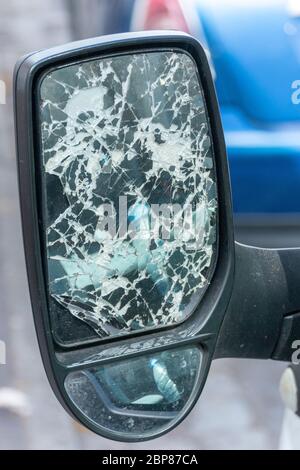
<point x="129" y="194"/>
<point x="139" y="395"/>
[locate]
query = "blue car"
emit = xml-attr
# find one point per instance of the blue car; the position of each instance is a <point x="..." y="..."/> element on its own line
<point x="254" y="48"/>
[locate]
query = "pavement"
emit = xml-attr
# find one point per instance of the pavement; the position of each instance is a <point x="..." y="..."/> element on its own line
<point x="240" y="407"/>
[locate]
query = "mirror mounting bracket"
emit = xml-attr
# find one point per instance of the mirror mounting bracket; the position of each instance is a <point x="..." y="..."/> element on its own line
<point x="262" y="318"/>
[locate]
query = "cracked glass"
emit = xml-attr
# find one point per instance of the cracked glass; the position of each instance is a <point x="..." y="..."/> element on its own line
<point x="129" y="194"/>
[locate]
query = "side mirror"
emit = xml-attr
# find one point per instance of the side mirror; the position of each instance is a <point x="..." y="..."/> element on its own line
<point x="135" y="280"/>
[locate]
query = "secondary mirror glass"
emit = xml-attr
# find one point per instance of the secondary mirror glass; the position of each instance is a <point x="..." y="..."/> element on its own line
<point x="128" y="196"/>
<point x="137" y="396"/>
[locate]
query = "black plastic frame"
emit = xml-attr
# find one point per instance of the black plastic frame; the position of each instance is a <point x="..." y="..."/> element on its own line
<point x="198" y="329"/>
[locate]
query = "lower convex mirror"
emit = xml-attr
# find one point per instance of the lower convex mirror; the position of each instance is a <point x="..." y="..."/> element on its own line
<point x="139" y="396"/>
<point x="125" y="204"/>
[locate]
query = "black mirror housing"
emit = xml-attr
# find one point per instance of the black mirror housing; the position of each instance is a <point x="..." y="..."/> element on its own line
<point x="97" y="364"/>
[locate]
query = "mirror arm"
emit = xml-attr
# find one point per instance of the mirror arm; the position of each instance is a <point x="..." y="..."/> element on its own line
<point x="263" y="316"/>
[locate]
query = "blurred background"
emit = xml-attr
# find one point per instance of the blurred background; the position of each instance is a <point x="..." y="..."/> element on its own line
<point x="254" y="51"/>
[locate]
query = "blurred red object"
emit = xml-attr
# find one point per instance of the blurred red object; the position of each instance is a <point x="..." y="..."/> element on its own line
<point x="161" y="14"/>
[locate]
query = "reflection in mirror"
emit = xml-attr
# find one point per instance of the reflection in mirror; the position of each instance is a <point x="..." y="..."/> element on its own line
<point x="129" y="193"/>
<point x="136" y="396"/>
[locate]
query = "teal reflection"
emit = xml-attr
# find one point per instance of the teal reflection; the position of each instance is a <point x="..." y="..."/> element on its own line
<point x="136" y="396"/>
